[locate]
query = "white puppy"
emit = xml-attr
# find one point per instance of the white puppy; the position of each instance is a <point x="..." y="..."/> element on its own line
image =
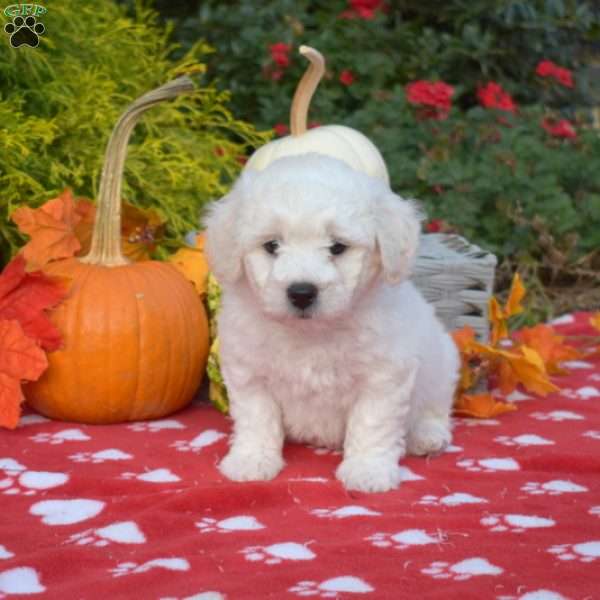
<point x="323" y="339"/>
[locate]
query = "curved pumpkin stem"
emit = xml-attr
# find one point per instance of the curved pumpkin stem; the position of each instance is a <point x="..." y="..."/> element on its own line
<point x="305" y="90"/>
<point x="106" y="239"/>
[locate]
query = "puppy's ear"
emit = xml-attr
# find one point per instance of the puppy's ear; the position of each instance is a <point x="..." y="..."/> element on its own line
<point x="397" y="226"/>
<point x="223" y="249"/>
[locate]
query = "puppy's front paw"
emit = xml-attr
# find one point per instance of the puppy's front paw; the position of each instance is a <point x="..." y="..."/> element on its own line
<point x="429" y="436"/>
<point x="259" y="465"/>
<point x="369" y="474"/>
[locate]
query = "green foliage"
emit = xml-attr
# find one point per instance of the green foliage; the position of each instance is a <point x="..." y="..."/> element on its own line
<point x="463" y="42"/>
<point x="509" y="186"/>
<point x="60" y="101"/>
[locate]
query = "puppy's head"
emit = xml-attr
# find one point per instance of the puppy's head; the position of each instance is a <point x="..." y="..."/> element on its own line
<point x="310" y="236"/>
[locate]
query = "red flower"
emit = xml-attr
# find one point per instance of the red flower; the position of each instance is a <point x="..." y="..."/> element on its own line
<point x="219" y="151"/>
<point x="434" y="226"/>
<point x="241" y="159"/>
<point x="363" y="9"/>
<point x="546" y="68"/>
<point x="347" y="77"/>
<point x="281" y="129"/>
<point x="493" y="96"/>
<point x="561" y="129"/>
<point x="435" y="96"/>
<point x="280" y="54"/>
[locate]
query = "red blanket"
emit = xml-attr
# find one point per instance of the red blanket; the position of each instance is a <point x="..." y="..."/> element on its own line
<point x="512" y="510"/>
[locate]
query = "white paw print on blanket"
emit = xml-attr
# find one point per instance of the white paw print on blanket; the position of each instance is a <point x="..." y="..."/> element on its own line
<point x="463" y="570"/>
<point x="5" y="553"/>
<point x="594" y="377"/>
<point x="488" y="465"/>
<point x="557" y="416"/>
<point x="595" y="511"/>
<point x="455" y="499"/>
<point x="154" y="476"/>
<point x="595" y="435"/>
<point x="27" y="420"/>
<point x="556" y="487"/>
<point x="525" y="439"/>
<point x="277" y="553"/>
<point x="20" y="580"/>
<point x="344" y="512"/>
<point x="584" y="552"/>
<point x="170" y="564"/>
<point x="66" y="435"/>
<point x="405" y="539"/>
<point x="582" y="393"/>
<point x="211" y="595"/>
<point x="124" y="532"/>
<point x="29" y="483"/>
<point x="535" y="595"/>
<point x="206" y="438"/>
<point x="66" y="512"/>
<point x="154" y="426"/>
<point x="319" y="451"/>
<point x="515" y="523"/>
<point x="100" y="456"/>
<point x="330" y="588"/>
<point x="229" y="525"/>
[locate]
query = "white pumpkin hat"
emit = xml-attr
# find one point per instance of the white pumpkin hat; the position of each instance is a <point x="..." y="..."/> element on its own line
<point x="337" y="141"/>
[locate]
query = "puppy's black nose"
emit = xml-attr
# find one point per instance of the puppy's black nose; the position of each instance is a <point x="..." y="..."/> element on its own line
<point x="302" y="294"/>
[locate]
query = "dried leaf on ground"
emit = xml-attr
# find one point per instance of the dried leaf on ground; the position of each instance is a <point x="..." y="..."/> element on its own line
<point x="549" y="345"/>
<point x="482" y="406"/>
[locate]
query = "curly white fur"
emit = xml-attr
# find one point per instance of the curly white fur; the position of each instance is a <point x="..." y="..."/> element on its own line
<point x="367" y="367"/>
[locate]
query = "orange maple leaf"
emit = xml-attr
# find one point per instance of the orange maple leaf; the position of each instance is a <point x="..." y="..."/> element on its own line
<point x="20" y="359"/>
<point x="25" y="297"/>
<point x="51" y="229"/>
<point x="482" y="406"/>
<point x="499" y="316"/>
<point x="522" y="365"/>
<point x="549" y="345"/>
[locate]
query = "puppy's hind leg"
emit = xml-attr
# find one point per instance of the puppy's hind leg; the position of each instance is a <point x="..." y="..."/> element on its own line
<point x="429" y="428"/>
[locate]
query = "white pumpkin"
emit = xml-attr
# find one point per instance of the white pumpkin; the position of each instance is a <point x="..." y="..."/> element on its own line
<point x="338" y="141"/>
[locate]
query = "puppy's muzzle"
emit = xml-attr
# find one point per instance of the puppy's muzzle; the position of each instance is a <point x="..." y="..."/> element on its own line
<point x="302" y="294"/>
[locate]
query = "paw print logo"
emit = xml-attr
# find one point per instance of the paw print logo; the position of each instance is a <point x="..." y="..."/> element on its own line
<point x="330" y="588"/>
<point x="405" y="539"/>
<point x="515" y="523"/>
<point x="239" y="523"/>
<point x="555" y="487"/>
<point x="595" y="511"/>
<point x="24" y="32"/>
<point x="489" y="465"/>
<point x="277" y="553"/>
<point x="595" y="435"/>
<point x="585" y="552"/>
<point x="463" y="570"/>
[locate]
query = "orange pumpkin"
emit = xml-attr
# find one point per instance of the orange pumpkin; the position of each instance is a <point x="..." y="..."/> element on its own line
<point x="135" y="334"/>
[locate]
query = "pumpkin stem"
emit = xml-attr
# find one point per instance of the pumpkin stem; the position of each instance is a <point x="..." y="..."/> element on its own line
<point x="305" y="90"/>
<point x="106" y="239"/>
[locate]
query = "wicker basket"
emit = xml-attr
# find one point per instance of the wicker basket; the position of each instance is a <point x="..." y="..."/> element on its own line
<point x="457" y="278"/>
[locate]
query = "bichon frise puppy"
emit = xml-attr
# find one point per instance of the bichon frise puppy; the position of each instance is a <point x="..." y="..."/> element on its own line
<point x="323" y="340"/>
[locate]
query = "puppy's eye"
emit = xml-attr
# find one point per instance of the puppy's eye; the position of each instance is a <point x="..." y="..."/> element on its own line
<point x="271" y="246"/>
<point x="337" y="248"/>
